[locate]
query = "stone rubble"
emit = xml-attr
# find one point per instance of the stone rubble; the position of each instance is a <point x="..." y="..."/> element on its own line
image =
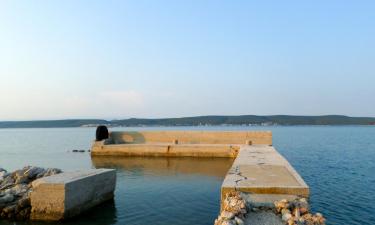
<point x="234" y="210"/>
<point x="297" y="213"/>
<point x="15" y="189"/>
<point x="294" y="212"/>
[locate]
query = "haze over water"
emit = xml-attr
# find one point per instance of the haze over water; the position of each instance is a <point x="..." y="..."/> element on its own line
<point x="335" y="161"/>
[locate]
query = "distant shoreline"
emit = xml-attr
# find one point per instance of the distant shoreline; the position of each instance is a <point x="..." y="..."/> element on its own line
<point x="243" y="120"/>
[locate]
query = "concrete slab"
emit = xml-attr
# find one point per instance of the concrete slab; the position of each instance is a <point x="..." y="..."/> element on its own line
<point x="68" y="194"/>
<point x="260" y="169"/>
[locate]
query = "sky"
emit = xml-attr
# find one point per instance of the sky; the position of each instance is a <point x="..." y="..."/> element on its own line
<point x="155" y="59"/>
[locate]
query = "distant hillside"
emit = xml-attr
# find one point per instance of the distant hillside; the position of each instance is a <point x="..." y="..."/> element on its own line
<point x="199" y="120"/>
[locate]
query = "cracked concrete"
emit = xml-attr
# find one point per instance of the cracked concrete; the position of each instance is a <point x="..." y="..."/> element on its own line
<point x="260" y="169"/>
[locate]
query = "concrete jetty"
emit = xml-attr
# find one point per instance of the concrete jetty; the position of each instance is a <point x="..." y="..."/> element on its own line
<point x="178" y="143"/>
<point x="259" y="172"/>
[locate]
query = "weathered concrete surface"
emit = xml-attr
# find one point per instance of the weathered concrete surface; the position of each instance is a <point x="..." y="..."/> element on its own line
<point x="191" y="137"/>
<point x="260" y="169"/>
<point x="68" y="194"/>
<point x="171" y="150"/>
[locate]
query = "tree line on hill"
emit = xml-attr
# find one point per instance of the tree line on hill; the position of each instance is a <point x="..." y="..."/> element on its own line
<point x="198" y="121"/>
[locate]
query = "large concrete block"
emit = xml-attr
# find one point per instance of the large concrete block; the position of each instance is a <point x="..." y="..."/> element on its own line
<point x="68" y="194"/>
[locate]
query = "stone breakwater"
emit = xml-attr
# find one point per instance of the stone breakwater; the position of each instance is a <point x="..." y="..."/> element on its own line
<point x="15" y="189"/>
<point x="297" y="213"/>
<point x="237" y="211"/>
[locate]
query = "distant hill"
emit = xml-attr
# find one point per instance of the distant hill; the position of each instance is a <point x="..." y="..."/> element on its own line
<point x="199" y="120"/>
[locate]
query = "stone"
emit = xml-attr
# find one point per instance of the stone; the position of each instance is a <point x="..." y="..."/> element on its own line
<point x="284" y="211"/>
<point x="285" y="217"/>
<point x="19" y="189"/>
<point x="33" y="172"/>
<point x="24" y="202"/>
<point x="296" y="213"/>
<point x="239" y="221"/>
<point x="228" y="222"/>
<point x="227" y="215"/>
<point x="3" y="174"/>
<point x="7" y="182"/>
<point x="303" y="210"/>
<point x="9" y="209"/>
<point x="6" y="198"/>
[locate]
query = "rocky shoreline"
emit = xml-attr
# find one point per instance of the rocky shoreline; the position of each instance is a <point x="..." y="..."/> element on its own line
<point x="235" y="211"/>
<point x="15" y="189"/>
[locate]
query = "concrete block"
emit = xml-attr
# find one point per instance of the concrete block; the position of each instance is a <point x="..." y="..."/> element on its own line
<point x="68" y="194"/>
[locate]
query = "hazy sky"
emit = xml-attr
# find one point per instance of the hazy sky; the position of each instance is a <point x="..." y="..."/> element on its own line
<point x="120" y="59"/>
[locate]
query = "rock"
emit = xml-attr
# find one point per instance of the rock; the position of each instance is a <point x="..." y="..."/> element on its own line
<point x="51" y="171"/>
<point x="296" y="213"/>
<point x="228" y="222"/>
<point x="286" y="217"/>
<point x="227" y="215"/>
<point x="33" y="172"/>
<point x="6" y="198"/>
<point x="21" y="179"/>
<point x="24" y="214"/>
<point x="48" y="172"/>
<point x="19" y="189"/>
<point x="282" y="204"/>
<point x="8" y="181"/>
<point x="238" y="221"/>
<point x="3" y="174"/>
<point x="9" y="209"/>
<point x="284" y="211"/>
<point x="255" y="209"/>
<point x="24" y="202"/>
<point x="303" y="210"/>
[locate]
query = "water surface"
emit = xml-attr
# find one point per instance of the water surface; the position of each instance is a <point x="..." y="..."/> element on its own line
<point x="337" y="162"/>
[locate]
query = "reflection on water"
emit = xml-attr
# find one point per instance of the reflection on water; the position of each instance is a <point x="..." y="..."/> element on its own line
<point x="163" y="190"/>
<point x="158" y="190"/>
<point x="217" y="167"/>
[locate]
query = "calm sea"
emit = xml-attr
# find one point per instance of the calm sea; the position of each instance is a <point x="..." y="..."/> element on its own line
<point x="337" y="162"/>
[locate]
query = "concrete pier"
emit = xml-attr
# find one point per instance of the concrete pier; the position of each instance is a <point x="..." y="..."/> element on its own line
<point x="259" y="172"/>
<point x="68" y="194"/>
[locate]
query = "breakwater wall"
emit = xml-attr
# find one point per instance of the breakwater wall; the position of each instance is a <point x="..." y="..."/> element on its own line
<point x="179" y="143"/>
